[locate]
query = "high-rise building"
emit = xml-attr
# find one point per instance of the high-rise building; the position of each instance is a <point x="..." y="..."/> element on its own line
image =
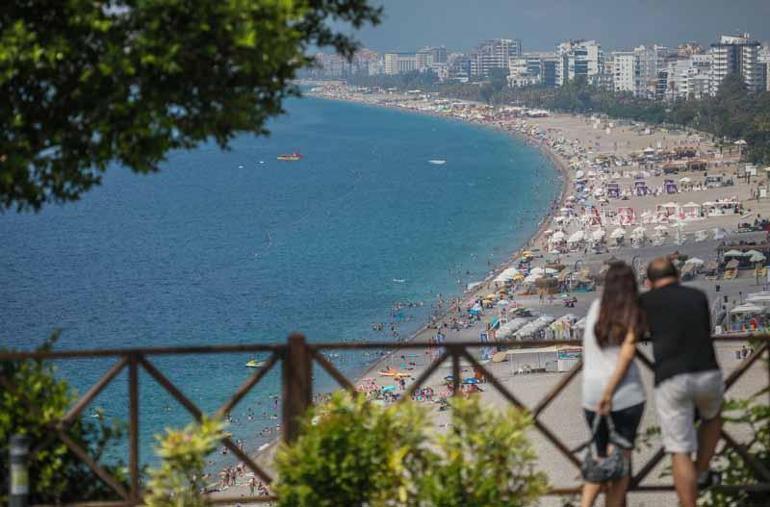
<point x="549" y="66"/>
<point x="430" y="58"/>
<point x="400" y="63"/>
<point x="524" y="71"/>
<point x="493" y="54"/>
<point x="624" y="69"/>
<point x="764" y="56"/>
<point x="459" y="67"/>
<point x="579" y="59"/>
<point x="649" y="61"/>
<point x="736" y="55"/>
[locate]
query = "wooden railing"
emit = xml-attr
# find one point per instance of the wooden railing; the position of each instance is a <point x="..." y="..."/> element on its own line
<point x="297" y="357"/>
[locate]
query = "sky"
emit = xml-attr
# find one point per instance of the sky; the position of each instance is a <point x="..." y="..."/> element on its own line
<point x="540" y="24"/>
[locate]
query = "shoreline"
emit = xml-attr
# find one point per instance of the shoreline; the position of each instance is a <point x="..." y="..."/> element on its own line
<point x="573" y="145"/>
<point x="546" y="152"/>
<point x="561" y="172"/>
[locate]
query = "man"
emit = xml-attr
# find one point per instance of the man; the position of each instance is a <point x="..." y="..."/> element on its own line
<point x="687" y="377"/>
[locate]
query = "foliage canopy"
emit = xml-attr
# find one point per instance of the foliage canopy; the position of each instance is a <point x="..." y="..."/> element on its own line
<point x="84" y="83"/>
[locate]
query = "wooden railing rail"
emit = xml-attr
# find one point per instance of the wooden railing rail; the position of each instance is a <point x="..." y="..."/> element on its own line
<point x="297" y="358"/>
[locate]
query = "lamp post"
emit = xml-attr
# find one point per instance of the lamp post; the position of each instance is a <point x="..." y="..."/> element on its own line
<point x="19" y="480"/>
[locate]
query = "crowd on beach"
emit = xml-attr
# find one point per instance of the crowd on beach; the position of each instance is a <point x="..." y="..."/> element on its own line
<point x="546" y="293"/>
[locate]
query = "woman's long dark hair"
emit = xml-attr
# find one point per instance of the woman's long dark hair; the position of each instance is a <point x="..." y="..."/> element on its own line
<point x="619" y="310"/>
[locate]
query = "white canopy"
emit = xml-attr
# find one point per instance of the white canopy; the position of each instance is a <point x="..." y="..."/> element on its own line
<point x="694" y="260"/>
<point x="661" y="228"/>
<point x="576" y="237"/>
<point x="598" y="235"/>
<point x="557" y="236"/>
<point x="758" y="257"/>
<point x="691" y="205"/>
<point x="747" y="308"/>
<point x="734" y="253"/>
<point x="639" y="232"/>
<point x="618" y="233"/>
<point x="685" y="180"/>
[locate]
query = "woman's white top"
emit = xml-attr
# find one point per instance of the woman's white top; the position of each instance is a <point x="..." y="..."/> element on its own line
<point x="599" y="365"/>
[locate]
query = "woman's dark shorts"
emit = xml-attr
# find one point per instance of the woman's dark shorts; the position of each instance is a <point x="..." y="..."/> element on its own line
<point x="626" y="424"/>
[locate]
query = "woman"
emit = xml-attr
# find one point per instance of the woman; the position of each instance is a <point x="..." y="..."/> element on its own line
<point x="612" y="384"/>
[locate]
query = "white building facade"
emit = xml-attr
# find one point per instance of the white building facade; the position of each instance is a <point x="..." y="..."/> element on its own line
<point x="493" y="54"/>
<point x="737" y="55"/>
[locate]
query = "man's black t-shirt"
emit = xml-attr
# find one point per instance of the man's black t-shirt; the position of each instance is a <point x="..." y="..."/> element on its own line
<point x="680" y="329"/>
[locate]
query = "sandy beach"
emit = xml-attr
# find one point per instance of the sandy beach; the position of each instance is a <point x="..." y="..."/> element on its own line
<point x="594" y="156"/>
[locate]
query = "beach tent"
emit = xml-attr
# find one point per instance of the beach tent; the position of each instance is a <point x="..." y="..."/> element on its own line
<point x="558" y="237"/>
<point x="747" y="308"/>
<point x="762" y="297"/>
<point x="757" y="257"/>
<point x="734" y="253"/>
<point x="598" y="235"/>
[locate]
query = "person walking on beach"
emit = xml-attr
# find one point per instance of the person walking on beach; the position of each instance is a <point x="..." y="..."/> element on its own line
<point x="687" y="377"/>
<point x="612" y="384"/>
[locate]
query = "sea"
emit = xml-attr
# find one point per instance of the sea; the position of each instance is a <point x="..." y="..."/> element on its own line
<point x="229" y="247"/>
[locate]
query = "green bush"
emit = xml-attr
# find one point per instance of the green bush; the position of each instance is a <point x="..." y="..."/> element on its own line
<point x="179" y="479"/>
<point x="352" y="452"/>
<point x="485" y="460"/>
<point x="753" y="412"/>
<point x="37" y="401"/>
<point x="355" y="453"/>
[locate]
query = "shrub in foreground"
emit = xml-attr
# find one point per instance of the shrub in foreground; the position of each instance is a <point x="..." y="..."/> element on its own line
<point x="355" y="453"/>
<point x="178" y="481"/>
<point x="36" y="401"/>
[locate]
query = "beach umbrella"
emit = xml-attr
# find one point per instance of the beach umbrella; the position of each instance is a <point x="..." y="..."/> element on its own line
<point x="758" y="257"/>
<point x="695" y="261"/>
<point x="639" y="232"/>
<point x="685" y="180"/>
<point x="618" y="233"/>
<point x="734" y="253"/>
<point x="558" y="236"/>
<point x="598" y="235"/>
<point x="576" y="237"/>
<point x="470" y="380"/>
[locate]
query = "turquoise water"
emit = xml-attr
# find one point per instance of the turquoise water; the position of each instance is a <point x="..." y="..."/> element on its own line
<point x="220" y="248"/>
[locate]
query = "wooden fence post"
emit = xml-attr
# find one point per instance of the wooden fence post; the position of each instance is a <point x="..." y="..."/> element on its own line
<point x="297" y="385"/>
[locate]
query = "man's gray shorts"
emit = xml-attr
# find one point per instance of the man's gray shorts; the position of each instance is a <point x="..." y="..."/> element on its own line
<point x="677" y="398"/>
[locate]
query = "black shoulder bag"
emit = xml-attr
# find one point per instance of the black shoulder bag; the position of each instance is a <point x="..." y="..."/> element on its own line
<point x="615" y="466"/>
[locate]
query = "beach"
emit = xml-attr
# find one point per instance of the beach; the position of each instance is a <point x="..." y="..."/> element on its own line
<point x="591" y="155"/>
